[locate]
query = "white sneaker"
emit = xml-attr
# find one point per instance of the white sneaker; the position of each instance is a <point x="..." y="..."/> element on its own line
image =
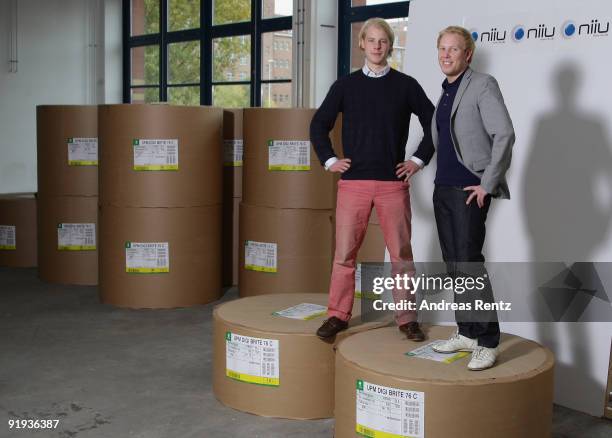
<point x="456" y="343"/>
<point x="482" y="358"/>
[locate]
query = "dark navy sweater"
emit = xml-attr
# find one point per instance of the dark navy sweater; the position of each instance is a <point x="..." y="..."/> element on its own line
<point x="375" y="120"/>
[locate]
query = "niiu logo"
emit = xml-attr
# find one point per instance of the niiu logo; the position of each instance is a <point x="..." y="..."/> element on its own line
<point x="568" y="30"/>
<point x="492" y="36"/>
<point x="541" y="31"/>
<point x="593" y="28"/>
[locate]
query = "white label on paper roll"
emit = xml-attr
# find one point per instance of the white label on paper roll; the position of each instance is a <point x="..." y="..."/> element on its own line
<point x="82" y="151"/>
<point x="427" y="352"/>
<point x="232" y="152"/>
<point x="389" y="412"/>
<point x="252" y="360"/>
<point x="155" y="154"/>
<point x="76" y="237"/>
<point x="304" y="311"/>
<point x="8" y="237"/>
<point x="260" y="256"/>
<point x="147" y="258"/>
<point x="288" y="155"/>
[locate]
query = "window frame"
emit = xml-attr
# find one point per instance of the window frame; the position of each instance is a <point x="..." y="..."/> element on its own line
<point x="348" y="14"/>
<point x="205" y="34"/>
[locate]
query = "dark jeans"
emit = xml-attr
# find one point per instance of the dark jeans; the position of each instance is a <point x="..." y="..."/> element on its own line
<point x="461" y="230"/>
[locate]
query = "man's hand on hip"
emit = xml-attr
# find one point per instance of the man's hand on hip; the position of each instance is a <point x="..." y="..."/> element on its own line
<point x="406" y="169"/>
<point x="340" y="166"/>
<point x="477" y="192"/>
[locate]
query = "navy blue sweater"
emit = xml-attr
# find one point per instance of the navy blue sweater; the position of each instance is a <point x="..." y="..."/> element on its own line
<point x="375" y="121"/>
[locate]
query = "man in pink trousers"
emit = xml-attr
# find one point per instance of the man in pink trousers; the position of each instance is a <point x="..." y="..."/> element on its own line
<point x="376" y="103"/>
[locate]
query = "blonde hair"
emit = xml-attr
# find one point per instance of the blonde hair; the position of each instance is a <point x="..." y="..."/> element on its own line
<point x="381" y="23"/>
<point x="463" y="33"/>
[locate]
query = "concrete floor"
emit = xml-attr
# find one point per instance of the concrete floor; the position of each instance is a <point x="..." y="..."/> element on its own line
<point x="107" y="372"/>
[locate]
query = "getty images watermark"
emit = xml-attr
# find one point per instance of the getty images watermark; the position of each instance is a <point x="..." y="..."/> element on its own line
<point x="411" y="284"/>
<point x="513" y="292"/>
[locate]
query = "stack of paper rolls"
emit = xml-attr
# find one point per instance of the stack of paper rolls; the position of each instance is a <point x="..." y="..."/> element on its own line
<point x="286" y="227"/>
<point x="67" y="149"/>
<point x="160" y="205"/>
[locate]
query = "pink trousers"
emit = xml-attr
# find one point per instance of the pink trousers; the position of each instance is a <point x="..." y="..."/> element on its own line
<point x="354" y="205"/>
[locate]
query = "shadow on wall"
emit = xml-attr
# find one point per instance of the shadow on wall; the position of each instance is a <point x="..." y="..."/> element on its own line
<point x="567" y="210"/>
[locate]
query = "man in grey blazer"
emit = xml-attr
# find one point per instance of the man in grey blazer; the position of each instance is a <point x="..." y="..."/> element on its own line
<point x="473" y="134"/>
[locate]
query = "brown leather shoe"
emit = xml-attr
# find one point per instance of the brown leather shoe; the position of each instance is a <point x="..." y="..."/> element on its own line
<point x="413" y="331"/>
<point x="331" y="327"/>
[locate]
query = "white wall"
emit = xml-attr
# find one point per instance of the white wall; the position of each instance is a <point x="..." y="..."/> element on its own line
<point x="61" y="48"/>
<point x="561" y="173"/>
<point x="321" y="50"/>
<point x="112" y="75"/>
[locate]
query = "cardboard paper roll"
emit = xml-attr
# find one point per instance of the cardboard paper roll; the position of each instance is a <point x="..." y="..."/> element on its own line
<point x="272" y="365"/>
<point x="18" y="230"/>
<point x="160" y="155"/>
<point x="284" y="250"/>
<point x="160" y="257"/>
<point x="67" y="150"/>
<point x="233" y="145"/>
<point x="424" y="397"/>
<point x="281" y="168"/>
<point x="68" y="239"/>
<point x="230" y="242"/>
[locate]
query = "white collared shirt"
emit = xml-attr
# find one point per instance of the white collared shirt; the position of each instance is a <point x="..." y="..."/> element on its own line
<point x="372" y="74"/>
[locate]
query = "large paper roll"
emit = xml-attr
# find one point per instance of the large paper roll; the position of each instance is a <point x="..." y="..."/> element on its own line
<point x="68" y="239"/>
<point x="160" y="257"/>
<point x="296" y="376"/>
<point x="67" y="150"/>
<point x="386" y="387"/>
<point x="281" y="168"/>
<point x="160" y="155"/>
<point x="18" y="245"/>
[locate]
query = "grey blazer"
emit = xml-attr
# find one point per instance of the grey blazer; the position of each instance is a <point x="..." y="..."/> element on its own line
<point x="481" y="131"/>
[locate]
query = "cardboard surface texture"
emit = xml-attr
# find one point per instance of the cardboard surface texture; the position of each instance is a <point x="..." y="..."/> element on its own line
<point x="19" y="210"/>
<point x="305" y="363"/>
<point x="62" y="266"/>
<point x="55" y="125"/>
<point x="314" y="188"/>
<point x="303" y="241"/>
<point x="231" y="244"/>
<point x="516" y="394"/>
<point x="194" y="256"/>
<point x="197" y="176"/>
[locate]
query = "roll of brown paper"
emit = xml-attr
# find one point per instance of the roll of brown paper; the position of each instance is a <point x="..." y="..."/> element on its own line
<point x="68" y="239"/>
<point x="298" y="368"/>
<point x="160" y="155"/>
<point x="281" y="168"/>
<point x="160" y="257"/>
<point x="284" y="250"/>
<point x="67" y="150"/>
<point x="427" y="397"/>
<point x="18" y="245"/>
